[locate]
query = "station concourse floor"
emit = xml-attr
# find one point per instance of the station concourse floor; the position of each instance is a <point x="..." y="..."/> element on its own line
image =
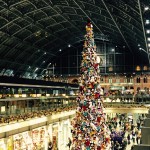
<point x="127" y="148"/>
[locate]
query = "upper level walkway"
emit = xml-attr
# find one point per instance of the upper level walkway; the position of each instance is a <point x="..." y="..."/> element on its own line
<point x="23" y="108"/>
<point x="37" y="118"/>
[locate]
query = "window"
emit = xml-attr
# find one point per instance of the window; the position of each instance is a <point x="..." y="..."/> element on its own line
<point x="125" y="80"/>
<point x="131" y="80"/>
<point x="145" y="79"/>
<point x="102" y="80"/>
<point x="117" y="80"/>
<point x="128" y="80"/>
<point x="138" y="80"/>
<point x="110" y="80"/>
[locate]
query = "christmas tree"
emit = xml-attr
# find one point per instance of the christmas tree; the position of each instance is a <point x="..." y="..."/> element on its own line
<point x="89" y="130"/>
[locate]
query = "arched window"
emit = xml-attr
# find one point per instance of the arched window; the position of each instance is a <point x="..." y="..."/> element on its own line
<point x="131" y="80"/>
<point x="117" y="80"/>
<point x="138" y="80"/>
<point x="75" y="81"/>
<point x="110" y="80"/>
<point x="128" y="80"/>
<point x="145" y="79"/>
<point x="125" y="79"/>
<point x="102" y="80"/>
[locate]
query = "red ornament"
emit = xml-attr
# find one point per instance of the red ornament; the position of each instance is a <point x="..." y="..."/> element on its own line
<point x="87" y="143"/>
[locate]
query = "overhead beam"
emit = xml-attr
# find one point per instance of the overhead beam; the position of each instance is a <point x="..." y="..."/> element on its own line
<point x="139" y="4"/>
<point x="88" y="17"/>
<point x="117" y="25"/>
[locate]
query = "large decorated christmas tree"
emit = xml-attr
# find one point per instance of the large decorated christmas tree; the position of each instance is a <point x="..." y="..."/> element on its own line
<point x="89" y="130"/>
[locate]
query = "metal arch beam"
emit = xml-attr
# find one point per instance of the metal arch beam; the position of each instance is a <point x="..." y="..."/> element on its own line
<point x="16" y="33"/>
<point x="49" y="43"/>
<point x="25" y="42"/>
<point x="55" y="11"/>
<point x="40" y="40"/>
<point x="23" y="29"/>
<point x="120" y="17"/>
<point x="27" y="61"/>
<point x="123" y="12"/>
<point x="36" y="8"/>
<point x="17" y="57"/>
<point x="128" y="23"/>
<point x="87" y="16"/>
<point x="21" y="53"/>
<point x="28" y="57"/>
<point x="22" y="41"/>
<point x="4" y="60"/>
<point x="46" y="60"/>
<point x="63" y="17"/>
<point x="20" y="2"/>
<point x="127" y="15"/>
<point x="11" y="50"/>
<point x="40" y="27"/>
<point x="139" y="4"/>
<point x="18" y="43"/>
<point x="37" y="59"/>
<point x="5" y="20"/>
<point x="129" y="29"/>
<point x="9" y="22"/>
<point x="48" y="32"/>
<point x="116" y="25"/>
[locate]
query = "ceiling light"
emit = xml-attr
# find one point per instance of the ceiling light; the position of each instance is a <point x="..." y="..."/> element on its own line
<point x="139" y="45"/>
<point x="60" y="50"/>
<point x="43" y="61"/>
<point x="140" y="48"/>
<point x="146" y="8"/>
<point x="116" y="45"/>
<point x="69" y="45"/>
<point x="112" y="49"/>
<point x="148" y="38"/>
<point x="148" y="31"/>
<point x="147" y="22"/>
<point x="36" y="69"/>
<point x="45" y="53"/>
<point x="149" y="45"/>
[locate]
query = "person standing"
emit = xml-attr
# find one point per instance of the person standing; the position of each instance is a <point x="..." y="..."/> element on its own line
<point x="50" y="146"/>
<point x="69" y="143"/>
<point x="128" y="137"/>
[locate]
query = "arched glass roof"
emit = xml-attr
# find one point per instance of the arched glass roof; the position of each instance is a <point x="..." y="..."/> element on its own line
<point x="32" y="32"/>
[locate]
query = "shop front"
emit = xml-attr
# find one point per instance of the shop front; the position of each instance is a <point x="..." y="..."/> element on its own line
<point x="2" y="144"/>
<point x="38" y="138"/>
<point x="10" y="143"/>
<point x="55" y="136"/>
<point x="22" y="141"/>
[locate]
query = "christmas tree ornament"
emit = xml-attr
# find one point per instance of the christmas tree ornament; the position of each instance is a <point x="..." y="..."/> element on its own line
<point x="89" y="129"/>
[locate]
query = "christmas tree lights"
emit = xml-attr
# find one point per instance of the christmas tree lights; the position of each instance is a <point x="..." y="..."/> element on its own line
<point x="90" y="131"/>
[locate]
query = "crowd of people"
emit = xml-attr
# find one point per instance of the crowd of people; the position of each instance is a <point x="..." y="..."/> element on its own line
<point x="124" y="132"/>
<point x="138" y="97"/>
<point x="30" y="115"/>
